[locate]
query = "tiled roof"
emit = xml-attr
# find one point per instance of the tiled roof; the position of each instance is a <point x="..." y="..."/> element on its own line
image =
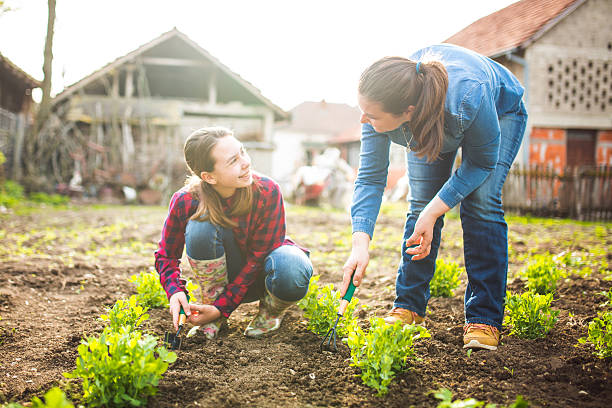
<point x="514" y="26"/>
<point x="18" y="72"/>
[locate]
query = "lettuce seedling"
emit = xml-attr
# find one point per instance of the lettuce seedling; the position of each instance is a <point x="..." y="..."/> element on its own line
<point x="150" y="292"/>
<point x="445" y="279"/>
<point x="600" y="334"/>
<point x="529" y="314"/>
<point x="383" y="351"/>
<point x="446" y="397"/>
<point x="542" y="274"/>
<point x="120" y="368"/>
<point x="321" y="307"/>
<point x="126" y="313"/>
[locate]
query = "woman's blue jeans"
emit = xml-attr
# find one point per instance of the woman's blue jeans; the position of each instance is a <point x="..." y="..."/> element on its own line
<point x="485" y="232"/>
<point x="287" y="269"/>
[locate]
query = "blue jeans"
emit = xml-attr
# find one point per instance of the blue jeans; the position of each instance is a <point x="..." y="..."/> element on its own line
<point x="287" y="269"/>
<point x="485" y="232"/>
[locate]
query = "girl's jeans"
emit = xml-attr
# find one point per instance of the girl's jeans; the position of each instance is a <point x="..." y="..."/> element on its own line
<point x="287" y="269"/>
<point x="485" y="233"/>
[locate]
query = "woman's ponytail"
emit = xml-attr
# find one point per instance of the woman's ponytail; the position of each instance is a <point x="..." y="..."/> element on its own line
<point x="427" y="122"/>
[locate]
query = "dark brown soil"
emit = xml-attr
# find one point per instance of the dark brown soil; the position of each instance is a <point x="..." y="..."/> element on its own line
<point x="48" y="304"/>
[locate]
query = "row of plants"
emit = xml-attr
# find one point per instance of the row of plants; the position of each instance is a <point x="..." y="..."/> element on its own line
<point x="529" y="314"/>
<point x="380" y="352"/>
<point x="122" y="365"/>
<point x="12" y="196"/>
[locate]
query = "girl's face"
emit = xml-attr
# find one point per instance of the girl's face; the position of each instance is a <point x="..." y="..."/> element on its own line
<point x="372" y="113"/>
<point x="232" y="167"/>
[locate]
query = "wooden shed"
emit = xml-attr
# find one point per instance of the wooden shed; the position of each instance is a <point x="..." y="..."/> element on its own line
<point x="15" y="108"/>
<point x="125" y="124"/>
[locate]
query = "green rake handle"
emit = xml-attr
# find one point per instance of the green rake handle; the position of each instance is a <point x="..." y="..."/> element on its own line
<point x="346" y="299"/>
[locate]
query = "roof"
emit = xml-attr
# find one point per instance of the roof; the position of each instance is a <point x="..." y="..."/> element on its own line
<point x="174" y="33"/>
<point x="515" y="26"/>
<point x="18" y="72"/>
<point x="323" y="117"/>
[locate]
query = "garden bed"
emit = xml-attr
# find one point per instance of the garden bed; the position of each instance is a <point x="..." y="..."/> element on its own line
<point x="59" y="269"/>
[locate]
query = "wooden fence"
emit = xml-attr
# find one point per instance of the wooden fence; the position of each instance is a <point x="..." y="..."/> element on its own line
<point x="583" y="193"/>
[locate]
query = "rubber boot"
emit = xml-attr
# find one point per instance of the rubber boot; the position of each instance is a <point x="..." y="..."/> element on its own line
<point x="269" y="317"/>
<point x="211" y="275"/>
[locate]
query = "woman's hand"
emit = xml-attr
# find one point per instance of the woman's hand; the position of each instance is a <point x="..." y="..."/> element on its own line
<point x="357" y="261"/>
<point x="423" y="229"/>
<point x="203" y="314"/>
<point x="176" y="301"/>
<point x="422" y="236"/>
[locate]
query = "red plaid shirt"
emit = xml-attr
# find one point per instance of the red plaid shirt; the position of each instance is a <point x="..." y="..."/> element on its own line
<point x="258" y="233"/>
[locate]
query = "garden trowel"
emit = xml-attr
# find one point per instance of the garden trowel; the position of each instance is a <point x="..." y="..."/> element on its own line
<point x="174" y="340"/>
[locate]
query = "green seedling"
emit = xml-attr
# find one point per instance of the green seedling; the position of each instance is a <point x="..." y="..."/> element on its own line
<point x="529" y="314"/>
<point x="125" y="313"/>
<point x="383" y="351"/>
<point x="445" y="279"/>
<point x="120" y="368"/>
<point x="542" y="274"/>
<point x="600" y="335"/>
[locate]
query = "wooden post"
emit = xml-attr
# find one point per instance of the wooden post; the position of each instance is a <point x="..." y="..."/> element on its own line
<point x="19" y="135"/>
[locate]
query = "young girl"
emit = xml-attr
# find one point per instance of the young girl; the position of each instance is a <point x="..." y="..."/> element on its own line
<point x="442" y="98"/>
<point x="232" y="223"/>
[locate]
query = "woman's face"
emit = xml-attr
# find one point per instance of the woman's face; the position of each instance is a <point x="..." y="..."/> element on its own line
<point x="232" y="167"/>
<point x="372" y="113"/>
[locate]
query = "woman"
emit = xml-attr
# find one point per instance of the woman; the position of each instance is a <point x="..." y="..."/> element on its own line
<point x="232" y="223"/>
<point x="442" y="98"/>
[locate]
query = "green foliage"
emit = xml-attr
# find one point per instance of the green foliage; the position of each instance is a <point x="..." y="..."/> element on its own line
<point x="49" y="199"/>
<point x="120" y="368"/>
<point x="54" y="398"/>
<point x="445" y="279"/>
<point x="383" y="351"/>
<point x="321" y="307"/>
<point x="11" y="194"/>
<point x="529" y="314"/>
<point x="149" y="289"/>
<point x="542" y="274"/>
<point x="600" y="334"/>
<point x="125" y="313"/>
<point x="446" y="397"/>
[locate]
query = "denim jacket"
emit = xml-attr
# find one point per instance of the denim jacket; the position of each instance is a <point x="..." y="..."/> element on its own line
<point x="479" y="92"/>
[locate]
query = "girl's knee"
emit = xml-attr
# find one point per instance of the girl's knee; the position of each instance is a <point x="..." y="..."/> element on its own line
<point x="203" y="240"/>
<point x="288" y="273"/>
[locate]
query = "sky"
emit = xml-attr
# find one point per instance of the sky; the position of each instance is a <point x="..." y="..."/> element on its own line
<point x="292" y="51"/>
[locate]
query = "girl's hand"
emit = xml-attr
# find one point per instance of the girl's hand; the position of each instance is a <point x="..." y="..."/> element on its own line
<point x="203" y="314"/>
<point x="176" y="301"/>
<point x="422" y="236"/>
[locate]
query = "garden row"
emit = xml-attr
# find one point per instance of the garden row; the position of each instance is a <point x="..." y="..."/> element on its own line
<point x="122" y="365"/>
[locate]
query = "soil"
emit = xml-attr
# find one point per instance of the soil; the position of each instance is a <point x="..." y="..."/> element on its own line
<point x="48" y="302"/>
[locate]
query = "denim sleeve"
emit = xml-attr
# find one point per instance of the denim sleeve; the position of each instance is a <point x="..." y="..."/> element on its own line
<point x="371" y="179"/>
<point x="480" y="146"/>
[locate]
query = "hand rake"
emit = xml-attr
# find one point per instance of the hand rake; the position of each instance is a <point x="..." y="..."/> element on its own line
<point x="329" y="341"/>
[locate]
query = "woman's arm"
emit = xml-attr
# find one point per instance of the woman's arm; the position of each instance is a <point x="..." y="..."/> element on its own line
<point x="481" y="142"/>
<point x="369" y="188"/>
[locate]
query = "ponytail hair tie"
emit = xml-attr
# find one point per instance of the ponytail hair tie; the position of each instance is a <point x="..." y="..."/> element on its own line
<point x="417" y="67"/>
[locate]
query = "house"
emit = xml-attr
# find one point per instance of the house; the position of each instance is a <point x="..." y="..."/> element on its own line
<point x="127" y="122"/>
<point x="561" y="51"/>
<point x="15" y="109"/>
<point x="307" y="134"/>
<point x="315" y="126"/>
